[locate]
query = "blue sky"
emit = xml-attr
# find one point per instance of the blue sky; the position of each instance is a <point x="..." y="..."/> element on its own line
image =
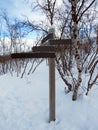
<point x="6" y="4"/>
<point x="19" y="9"/>
<point x="15" y="8"/>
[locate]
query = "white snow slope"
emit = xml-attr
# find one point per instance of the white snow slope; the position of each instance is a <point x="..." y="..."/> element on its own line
<point x="24" y="104"/>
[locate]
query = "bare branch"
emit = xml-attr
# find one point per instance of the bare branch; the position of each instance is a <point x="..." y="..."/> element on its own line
<point x="83" y="2"/>
<point x="86" y="9"/>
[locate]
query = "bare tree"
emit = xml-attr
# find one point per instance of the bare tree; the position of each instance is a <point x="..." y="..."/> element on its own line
<point x="68" y="19"/>
<point x="78" y="9"/>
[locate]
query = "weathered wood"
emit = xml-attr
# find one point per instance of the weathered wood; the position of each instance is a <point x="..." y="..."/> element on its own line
<point x="33" y="55"/>
<point x="4" y="58"/>
<point x="44" y="49"/>
<point x="51" y="89"/>
<point x="60" y="42"/>
<point x="49" y="36"/>
<point x="53" y="48"/>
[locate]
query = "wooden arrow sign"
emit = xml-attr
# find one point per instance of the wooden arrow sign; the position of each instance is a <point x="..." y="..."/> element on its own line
<point x="33" y="55"/>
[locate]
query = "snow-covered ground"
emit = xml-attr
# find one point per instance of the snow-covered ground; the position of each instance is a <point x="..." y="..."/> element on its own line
<point x="24" y="104"/>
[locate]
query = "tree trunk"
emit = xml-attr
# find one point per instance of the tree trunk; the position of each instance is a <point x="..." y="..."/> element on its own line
<point x="76" y="45"/>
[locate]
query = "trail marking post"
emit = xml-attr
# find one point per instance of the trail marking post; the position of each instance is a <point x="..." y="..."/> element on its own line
<point x="47" y="51"/>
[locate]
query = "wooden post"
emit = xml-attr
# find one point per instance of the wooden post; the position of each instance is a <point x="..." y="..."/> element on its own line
<point x="51" y="89"/>
<point x="52" y="82"/>
<point x="47" y="52"/>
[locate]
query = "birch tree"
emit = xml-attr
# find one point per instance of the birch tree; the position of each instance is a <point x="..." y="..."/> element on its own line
<point x="78" y="9"/>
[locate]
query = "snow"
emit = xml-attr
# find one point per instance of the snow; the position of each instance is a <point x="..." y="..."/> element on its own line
<point x="24" y="104"/>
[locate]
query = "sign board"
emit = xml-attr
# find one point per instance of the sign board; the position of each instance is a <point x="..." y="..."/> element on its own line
<point x="33" y="55"/>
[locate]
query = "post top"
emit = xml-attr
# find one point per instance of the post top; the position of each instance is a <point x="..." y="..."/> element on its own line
<point x="51" y="29"/>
